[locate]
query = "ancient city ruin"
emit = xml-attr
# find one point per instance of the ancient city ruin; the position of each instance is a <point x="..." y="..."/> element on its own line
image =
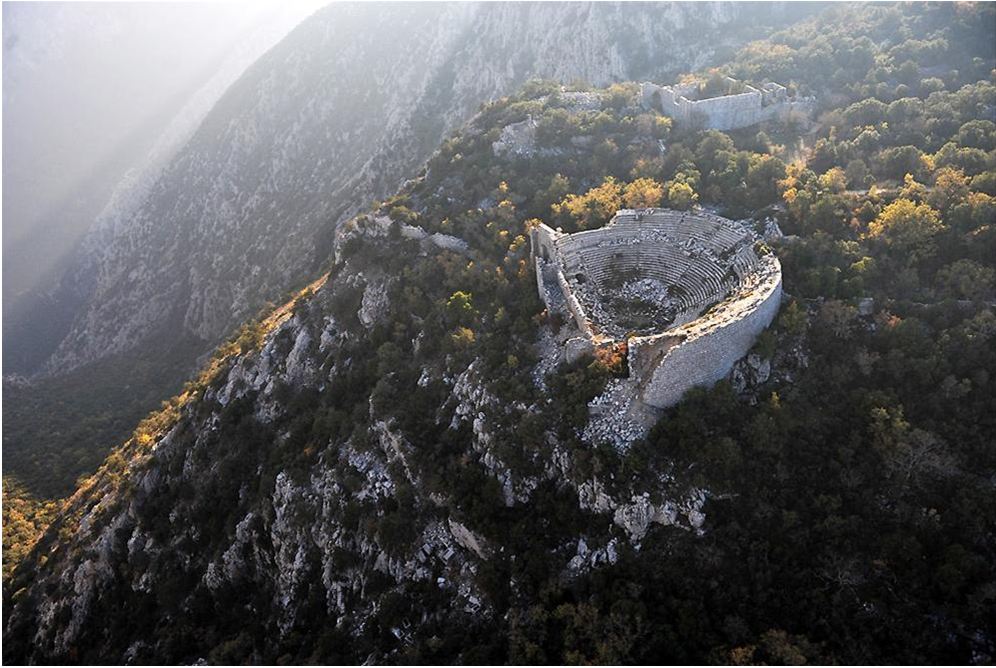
<point x="688" y="292"/>
<point x="739" y="105"/>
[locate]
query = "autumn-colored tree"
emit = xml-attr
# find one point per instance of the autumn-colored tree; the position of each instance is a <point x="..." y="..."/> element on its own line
<point x="833" y="180"/>
<point x="463" y="337"/>
<point x="642" y="194"/>
<point x="24" y="519"/>
<point x="681" y="195"/>
<point x="460" y="306"/>
<point x="592" y="209"/>
<point x="907" y="228"/>
<point x="913" y="189"/>
<point x="950" y="188"/>
<point x="646" y="168"/>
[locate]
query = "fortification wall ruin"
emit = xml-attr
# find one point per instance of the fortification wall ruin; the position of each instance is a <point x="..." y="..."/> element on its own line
<point x="692" y="282"/>
<point x="724" y="112"/>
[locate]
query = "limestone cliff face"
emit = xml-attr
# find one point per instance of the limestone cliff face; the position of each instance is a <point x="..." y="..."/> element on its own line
<point x="349" y="104"/>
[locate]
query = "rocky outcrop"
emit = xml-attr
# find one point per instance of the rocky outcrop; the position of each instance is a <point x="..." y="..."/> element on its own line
<point x="749" y="373"/>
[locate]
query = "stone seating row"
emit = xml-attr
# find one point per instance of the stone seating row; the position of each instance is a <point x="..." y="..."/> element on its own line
<point x="700" y="282"/>
<point x="715" y="239"/>
<point x="664" y="263"/>
<point x="703" y="255"/>
<point x="745" y="262"/>
<point x="675" y="228"/>
<point x="703" y="283"/>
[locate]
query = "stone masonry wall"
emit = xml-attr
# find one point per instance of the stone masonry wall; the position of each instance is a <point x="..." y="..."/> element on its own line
<point x="580" y="317"/>
<point x="707" y="358"/>
<point x="725" y="112"/>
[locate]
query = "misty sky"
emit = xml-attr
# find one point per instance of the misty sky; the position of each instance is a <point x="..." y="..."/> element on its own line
<point x="92" y="90"/>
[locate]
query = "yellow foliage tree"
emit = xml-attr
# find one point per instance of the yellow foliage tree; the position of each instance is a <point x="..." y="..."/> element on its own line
<point x="681" y="196"/>
<point x="463" y="337"/>
<point x="950" y="188"/>
<point x="907" y="227"/>
<point x="595" y="207"/>
<point x="913" y="189"/>
<point x="643" y="193"/>
<point x="834" y="180"/>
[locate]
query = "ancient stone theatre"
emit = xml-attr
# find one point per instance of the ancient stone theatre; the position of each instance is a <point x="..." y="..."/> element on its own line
<point x="689" y="292"/>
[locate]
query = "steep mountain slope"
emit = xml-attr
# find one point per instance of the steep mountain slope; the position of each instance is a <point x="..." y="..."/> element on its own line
<point x="335" y="116"/>
<point x="139" y="103"/>
<point x="365" y="439"/>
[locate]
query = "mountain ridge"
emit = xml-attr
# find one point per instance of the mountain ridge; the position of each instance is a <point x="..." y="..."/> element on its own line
<point x="123" y="288"/>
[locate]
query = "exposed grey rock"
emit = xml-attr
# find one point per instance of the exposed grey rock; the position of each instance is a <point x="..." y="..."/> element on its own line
<point x="518" y="139"/>
<point x="637" y="516"/>
<point x="772" y="232"/>
<point x="749" y="373"/>
<point x="577" y="347"/>
<point x="468" y="539"/>
<point x="374" y="304"/>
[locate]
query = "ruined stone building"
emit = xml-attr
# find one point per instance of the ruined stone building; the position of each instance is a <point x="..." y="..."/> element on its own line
<point x="743" y="105"/>
<point x="688" y="291"/>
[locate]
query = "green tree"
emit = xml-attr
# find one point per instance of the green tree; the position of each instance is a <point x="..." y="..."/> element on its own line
<point x="967" y="279"/>
<point x="762" y="180"/>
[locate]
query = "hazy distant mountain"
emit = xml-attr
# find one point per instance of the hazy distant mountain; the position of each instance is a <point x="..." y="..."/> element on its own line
<point x="94" y="91"/>
<point x="336" y="115"/>
<point x="97" y="100"/>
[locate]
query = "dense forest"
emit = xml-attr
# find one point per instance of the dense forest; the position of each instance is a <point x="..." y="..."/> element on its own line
<point x="850" y="514"/>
